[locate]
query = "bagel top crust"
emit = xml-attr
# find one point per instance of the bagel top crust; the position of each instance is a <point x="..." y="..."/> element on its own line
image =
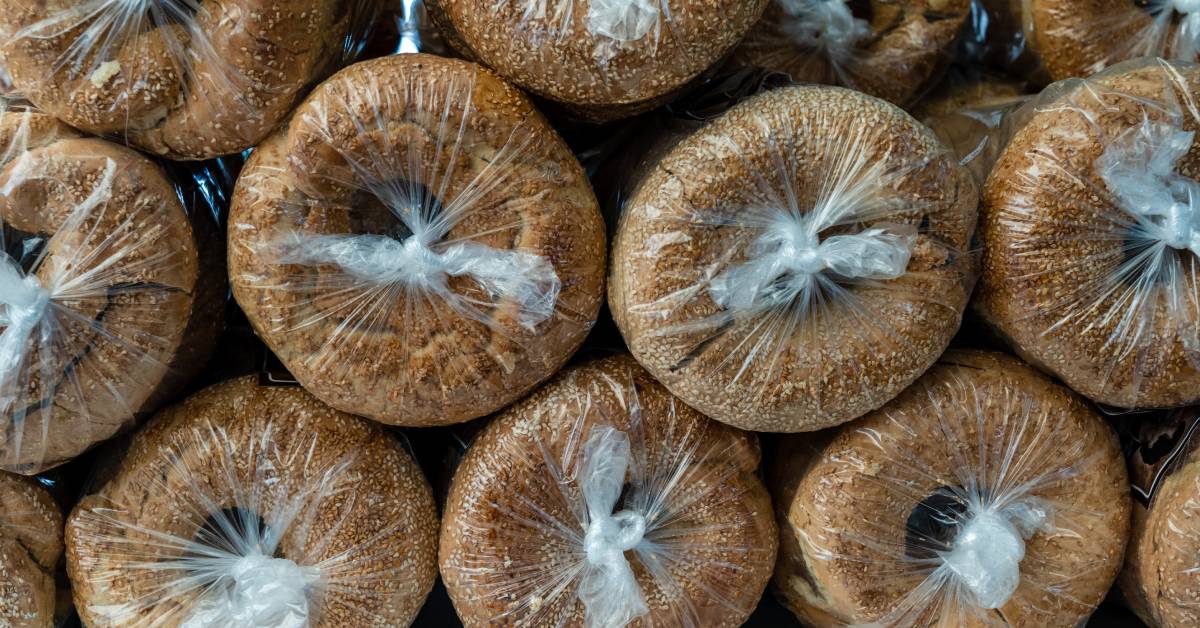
<point x="242" y="469"/>
<point x="31" y="544"/>
<point x="559" y="49"/>
<point x="415" y="149"/>
<point x="172" y="82"/>
<point x="512" y="541"/>
<point x="1066" y="275"/>
<point x="825" y="159"/>
<point x="858" y="507"/>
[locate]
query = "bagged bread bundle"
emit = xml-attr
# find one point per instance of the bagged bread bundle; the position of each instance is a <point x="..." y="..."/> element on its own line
<point x="251" y="505"/>
<point x="893" y="50"/>
<point x="602" y="59"/>
<point x="601" y="500"/>
<point x="797" y="262"/>
<point x="418" y="246"/>
<point x="110" y="289"/>
<point x="984" y="495"/>
<point x="180" y="78"/>
<point x="31" y="543"/>
<point x="1091" y="231"/>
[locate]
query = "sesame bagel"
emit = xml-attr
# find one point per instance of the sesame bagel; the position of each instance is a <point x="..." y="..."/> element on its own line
<point x="31" y="544"/>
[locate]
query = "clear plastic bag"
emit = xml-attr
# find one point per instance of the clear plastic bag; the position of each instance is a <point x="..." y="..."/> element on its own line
<point x="111" y="289"/>
<point x="1091" y="231"/>
<point x="603" y="501"/>
<point x="893" y="50"/>
<point x="418" y="246"/>
<point x="31" y="544"/>
<point x="984" y="495"/>
<point x="186" y="79"/>
<point x="798" y="261"/>
<point x="249" y="505"/>
<point x="602" y="59"/>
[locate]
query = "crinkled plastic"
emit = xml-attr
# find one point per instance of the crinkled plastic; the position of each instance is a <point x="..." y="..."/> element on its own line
<point x="798" y="261"/>
<point x="602" y="59"/>
<point x="984" y="495"/>
<point x="250" y="505"/>
<point x="31" y="544"/>
<point x="404" y="26"/>
<point x="111" y="288"/>
<point x="603" y="501"/>
<point x="893" y="50"/>
<point x="418" y="245"/>
<point x="1090" y="235"/>
<point x="186" y="79"/>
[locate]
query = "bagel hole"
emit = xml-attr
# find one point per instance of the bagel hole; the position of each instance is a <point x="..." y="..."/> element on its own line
<point x="231" y="529"/>
<point x="933" y="524"/>
<point x="862" y="10"/>
<point x="24" y="247"/>
<point x="166" y="13"/>
<point x="378" y="212"/>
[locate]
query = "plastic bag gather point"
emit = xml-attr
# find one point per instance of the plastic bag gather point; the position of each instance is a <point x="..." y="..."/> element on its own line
<point x="987" y="551"/>
<point x="624" y="20"/>
<point x="256" y="590"/>
<point x="827" y="25"/>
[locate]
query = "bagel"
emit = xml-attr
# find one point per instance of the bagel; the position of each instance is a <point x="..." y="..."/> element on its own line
<point x="418" y="246"/>
<point x="797" y="262"/>
<point x="255" y="505"/>
<point x="111" y="301"/>
<point x="983" y="494"/>
<point x="179" y="78"/>
<point x="532" y="534"/>
<point x="603" y="59"/>
<point x="893" y="50"/>
<point x="1082" y="282"/>
<point x="31" y="544"/>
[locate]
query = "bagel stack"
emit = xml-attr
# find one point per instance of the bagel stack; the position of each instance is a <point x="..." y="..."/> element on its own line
<point x="250" y="505"/>
<point x="418" y="246"/>
<point x="111" y="298"/>
<point x="601" y="500"/>
<point x="185" y="80"/>
<point x="31" y="544"/>
<point x="983" y="494"/>
<point x="601" y="59"/>
<point x="1089" y="262"/>
<point x="893" y="50"/>
<point x="797" y="262"/>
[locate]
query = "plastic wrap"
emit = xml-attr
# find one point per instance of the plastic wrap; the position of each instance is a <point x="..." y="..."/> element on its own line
<point x="31" y="544"/>
<point x="797" y="262"/>
<point x="255" y="506"/>
<point x="1090" y="258"/>
<point x="418" y="246"/>
<point x="110" y="289"/>
<point x="603" y="501"/>
<point x="893" y="50"/>
<point x="984" y="495"/>
<point x="187" y="79"/>
<point x="603" y="59"/>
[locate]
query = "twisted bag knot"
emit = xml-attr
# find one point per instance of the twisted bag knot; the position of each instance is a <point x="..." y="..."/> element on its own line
<point x="260" y="592"/>
<point x="23" y="304"/>
<point x="1139" y="169"/>
<point x="622" y="20"/>
<point x="985" y="557"/>
<point x="828" y="24"/>
<point x="785" y="260"/>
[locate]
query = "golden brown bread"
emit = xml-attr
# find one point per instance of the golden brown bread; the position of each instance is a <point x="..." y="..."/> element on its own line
<point x="31" y="544"/>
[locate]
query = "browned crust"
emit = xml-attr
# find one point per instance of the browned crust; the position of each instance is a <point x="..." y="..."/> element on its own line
<point x="31" y="544"/>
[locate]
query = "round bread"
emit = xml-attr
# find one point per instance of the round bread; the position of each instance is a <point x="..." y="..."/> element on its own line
<point x="435" y="155"/>
<point x="130" y="303"/>
<point x="1072" y="275"/>
<point x="604" y="59"/>
<point x="187" y="80"/>
<point x="224" y="501"/>
<point x="871" y="516"/>
<point x="520" y="511"/>
<point x="893" y="50"/>
<point x="721" y="210"/>
<point x="30" y="545"/>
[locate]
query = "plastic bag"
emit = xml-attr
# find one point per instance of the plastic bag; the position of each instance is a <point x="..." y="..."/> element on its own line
<point x="1090" y="252"/>
<point x="983" y="495"/>
<point x="418" y="246"/>
<point x="186" y="79"/>
<point x="255" y="506"/>
<point x="893" y="50"/>
<point x="31" y="544"/>
<point x="603" y="501"/>
<point x="797" y="262"/>
<point x="111" y="289"/>
<point x="602" y="59"/>
<point x="403" y="27"/>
